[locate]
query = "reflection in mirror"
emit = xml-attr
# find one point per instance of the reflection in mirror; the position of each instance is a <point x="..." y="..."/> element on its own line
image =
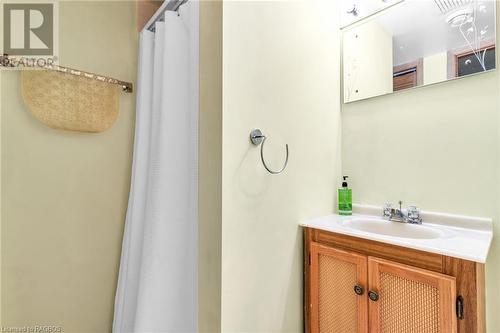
<point x="415" y="43"/>
<point x="355" y="10"/>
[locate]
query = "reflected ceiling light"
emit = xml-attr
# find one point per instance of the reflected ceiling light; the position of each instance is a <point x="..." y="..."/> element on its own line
<point x="459" y="17"/>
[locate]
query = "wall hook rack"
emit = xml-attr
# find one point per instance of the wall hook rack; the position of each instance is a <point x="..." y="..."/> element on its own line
<point x="127" y="87"/>
<point x="257" y="138"/>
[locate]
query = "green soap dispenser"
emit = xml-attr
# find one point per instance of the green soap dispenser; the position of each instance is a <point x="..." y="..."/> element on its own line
<point x="345" y="199"/>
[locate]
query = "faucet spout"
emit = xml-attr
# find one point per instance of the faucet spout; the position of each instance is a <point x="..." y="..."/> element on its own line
<point x="412" y="214"/>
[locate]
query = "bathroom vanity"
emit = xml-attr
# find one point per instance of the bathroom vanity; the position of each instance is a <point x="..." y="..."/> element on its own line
<point x="366" y="274"/>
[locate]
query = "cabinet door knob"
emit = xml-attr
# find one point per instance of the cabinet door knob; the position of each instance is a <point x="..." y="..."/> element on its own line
<point x="373" y="296"/>
<point x="359" y="290"/>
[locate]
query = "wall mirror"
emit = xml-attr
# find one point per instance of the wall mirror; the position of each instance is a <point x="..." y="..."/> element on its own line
<point x="415" y="43"/>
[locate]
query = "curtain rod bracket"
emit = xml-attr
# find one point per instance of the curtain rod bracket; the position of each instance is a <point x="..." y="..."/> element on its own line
<point x="168" y="5"/>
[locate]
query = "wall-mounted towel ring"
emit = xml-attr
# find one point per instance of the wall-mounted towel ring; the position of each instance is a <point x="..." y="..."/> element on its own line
<point x="258" y="138"/>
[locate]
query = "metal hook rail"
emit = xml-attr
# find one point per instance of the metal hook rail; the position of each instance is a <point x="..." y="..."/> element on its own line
<point x="258" y="138"/>
<point x="6" y="61"/>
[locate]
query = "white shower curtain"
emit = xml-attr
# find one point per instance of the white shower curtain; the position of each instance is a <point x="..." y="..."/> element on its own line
<point x="157" y="285"/>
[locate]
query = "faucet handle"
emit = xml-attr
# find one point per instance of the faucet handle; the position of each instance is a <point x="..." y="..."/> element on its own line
<point x="387" y="211"/>
<point x="414" y="215"/>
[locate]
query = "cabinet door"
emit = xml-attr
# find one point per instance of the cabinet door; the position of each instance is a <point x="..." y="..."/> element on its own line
<point x="336" y="305"/>
<point x="410" y="300"/>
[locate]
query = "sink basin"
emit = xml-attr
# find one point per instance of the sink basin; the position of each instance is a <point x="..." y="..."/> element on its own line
<point x="394" y="229"/>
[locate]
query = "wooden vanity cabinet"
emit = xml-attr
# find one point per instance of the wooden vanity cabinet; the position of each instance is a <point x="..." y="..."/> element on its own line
<point x="357" y="285"/>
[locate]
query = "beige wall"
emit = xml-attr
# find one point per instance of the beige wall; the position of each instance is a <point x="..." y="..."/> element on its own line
<point x="367" y="57"/>
<point x="210" y="168"/>
<point x="437" y="147"/>
<point x="281" y="74"/>
<point x="435" y="68"/>
<point x="64" y="194"/>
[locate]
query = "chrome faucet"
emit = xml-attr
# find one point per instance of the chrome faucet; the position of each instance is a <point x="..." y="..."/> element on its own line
<point x="412" y="214"/>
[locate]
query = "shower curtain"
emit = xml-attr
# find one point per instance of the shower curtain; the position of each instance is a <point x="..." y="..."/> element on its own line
<point x="157" y="284"/>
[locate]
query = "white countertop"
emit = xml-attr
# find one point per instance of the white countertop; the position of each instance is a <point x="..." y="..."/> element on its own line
<point x="462" y="237"/>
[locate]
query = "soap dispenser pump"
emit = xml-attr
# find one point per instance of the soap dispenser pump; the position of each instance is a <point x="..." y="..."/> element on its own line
<point x="345" y="198"/>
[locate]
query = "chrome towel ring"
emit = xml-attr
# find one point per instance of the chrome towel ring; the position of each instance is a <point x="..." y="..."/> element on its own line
<point x="258" y="138"/>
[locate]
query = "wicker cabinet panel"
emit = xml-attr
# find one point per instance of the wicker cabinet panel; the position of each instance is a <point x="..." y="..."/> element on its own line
<point x="410" y="300"/>
<point x="335" y="306"/>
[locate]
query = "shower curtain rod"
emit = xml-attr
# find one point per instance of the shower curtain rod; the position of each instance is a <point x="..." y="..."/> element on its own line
<point x="168" y="5"/>
<point x="127" y="87"/>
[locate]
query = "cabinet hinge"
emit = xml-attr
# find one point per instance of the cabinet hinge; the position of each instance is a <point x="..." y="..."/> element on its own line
<point x="309" y="259"/>
<point x="460" y="307"/>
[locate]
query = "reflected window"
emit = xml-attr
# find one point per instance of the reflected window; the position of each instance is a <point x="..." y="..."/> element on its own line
<point x="468" y="63"/>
